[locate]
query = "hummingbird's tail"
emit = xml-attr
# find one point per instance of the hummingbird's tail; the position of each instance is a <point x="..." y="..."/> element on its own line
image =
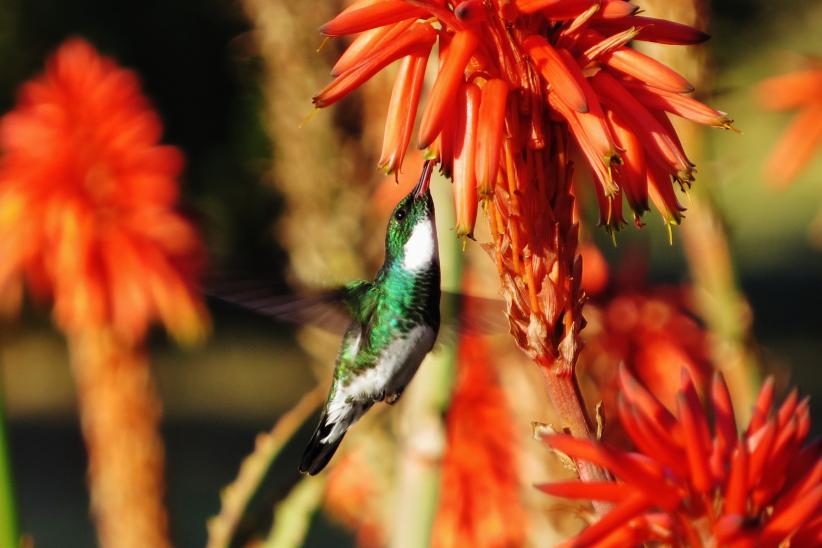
<point x="320" y="450"/>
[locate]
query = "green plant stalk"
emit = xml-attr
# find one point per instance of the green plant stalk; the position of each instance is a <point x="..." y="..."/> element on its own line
<point x="9" y="528"/>
<point x="292" y="516"/>
<point x="720" y="302"/>
<point x="235" y="497"/>
<point x="422" y="440"/>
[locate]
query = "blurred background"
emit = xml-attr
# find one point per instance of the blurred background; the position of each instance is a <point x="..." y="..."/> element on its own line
<point x="200" y="66"/>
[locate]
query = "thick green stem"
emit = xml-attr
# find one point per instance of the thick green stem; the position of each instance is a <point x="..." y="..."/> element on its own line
<point x="9" y="531"/>
<point x="423" y="429"/>
<point x="9" y="528"/>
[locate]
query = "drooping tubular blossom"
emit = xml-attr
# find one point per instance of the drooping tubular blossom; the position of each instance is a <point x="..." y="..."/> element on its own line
<point x="566" y="42"/>
<point x="547" y="74"/>
<point x="690" y="484"/>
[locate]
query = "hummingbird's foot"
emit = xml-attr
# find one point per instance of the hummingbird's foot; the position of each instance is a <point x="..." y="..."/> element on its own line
<point x="391" y="399"/>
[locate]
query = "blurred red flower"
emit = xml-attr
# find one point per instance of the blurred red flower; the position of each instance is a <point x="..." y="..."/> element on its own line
<point x="802" y="91"/>
<point x="652" y="331"/>
<point x="87" y="219"/>
<point x="354" y="496"/>
<point x="691" y="485"/>
<point x="479" y="494"/>
<point x="86" y="202"/>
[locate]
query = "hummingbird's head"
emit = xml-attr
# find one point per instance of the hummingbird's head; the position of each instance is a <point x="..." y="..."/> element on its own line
<point x="411" y="238"/>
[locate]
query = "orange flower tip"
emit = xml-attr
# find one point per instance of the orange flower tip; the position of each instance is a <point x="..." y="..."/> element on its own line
<point x="728" y="124"/>
<point x="613" y="158"/>
<point x="388" y="168"/>
<point x="464" y="234"/>
<point x="371" y="16"/>
<point x="430" y="153"/>
<point x="192" y="335"/>
<point x="322" y="45"/>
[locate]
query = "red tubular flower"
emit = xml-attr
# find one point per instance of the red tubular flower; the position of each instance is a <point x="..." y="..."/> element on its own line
<point x="508" y="42"/>
<point x="86" y="202"/>
<point x="490" y="134"/>
<point x="479" y="501"/>
<point x="564" y="68"/>
<point x="402" y="111"/>
<point x="800" y="90"/>
<point x="689" y="484"/>
<point x="459" y="52"/>
<point x="87" y="218"/>
<point x="464" y="143"/>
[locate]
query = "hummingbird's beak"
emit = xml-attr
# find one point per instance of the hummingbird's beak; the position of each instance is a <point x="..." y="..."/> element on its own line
<point x="425" y="179"/>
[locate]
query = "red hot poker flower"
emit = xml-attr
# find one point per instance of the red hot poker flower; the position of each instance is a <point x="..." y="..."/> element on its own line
<point x="87" y="218"/>
<point x="566" y="68"/>
<point x="476" y="45"/>
<point x="86" y="202"/>
<point x="689" y="484"/>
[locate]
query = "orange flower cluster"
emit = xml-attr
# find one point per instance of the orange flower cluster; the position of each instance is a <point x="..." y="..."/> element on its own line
<point x="689" y="485"/>
<point x="86" y="202"/>
<point x="479" y="494"/>
<point x="563" y="60"/>
<point x="649" y="331"/>
<point x="801" y="91"/>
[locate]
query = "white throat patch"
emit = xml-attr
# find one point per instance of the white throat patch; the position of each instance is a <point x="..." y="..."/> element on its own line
<point x="421" y="247"/>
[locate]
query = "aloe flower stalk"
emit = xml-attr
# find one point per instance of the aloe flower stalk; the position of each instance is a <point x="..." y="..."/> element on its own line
<point x="568" y="74"/>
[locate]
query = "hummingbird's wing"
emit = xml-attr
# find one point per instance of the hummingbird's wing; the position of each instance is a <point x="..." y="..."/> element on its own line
<point x="469" y="315"/>
<point x="323" y="308"/>
<point x="333" y="309"/>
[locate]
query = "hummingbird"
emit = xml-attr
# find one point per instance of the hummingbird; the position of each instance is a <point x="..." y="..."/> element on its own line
<point x="395" y="320"/>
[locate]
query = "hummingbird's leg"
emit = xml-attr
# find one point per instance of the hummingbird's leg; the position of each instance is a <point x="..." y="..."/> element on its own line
<point x="391" y="399"/>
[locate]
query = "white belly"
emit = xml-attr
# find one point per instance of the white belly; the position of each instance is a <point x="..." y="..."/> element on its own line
<point x="395" y="369"/>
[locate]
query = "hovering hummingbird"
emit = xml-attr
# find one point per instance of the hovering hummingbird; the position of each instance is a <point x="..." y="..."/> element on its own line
<point x="395" y="320"/>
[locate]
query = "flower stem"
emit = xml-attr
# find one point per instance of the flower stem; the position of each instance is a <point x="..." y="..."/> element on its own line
<point x="564" y="394"/>
<point x="235" y="497"/>
<point x="120" y="415"/>
<point x="9" y="530"/>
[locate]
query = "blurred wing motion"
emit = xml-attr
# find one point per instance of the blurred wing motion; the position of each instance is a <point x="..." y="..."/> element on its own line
<point x="326" y="309"/>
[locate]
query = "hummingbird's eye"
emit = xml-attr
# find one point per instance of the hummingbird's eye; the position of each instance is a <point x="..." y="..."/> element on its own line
<point x="400" y="214"/>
